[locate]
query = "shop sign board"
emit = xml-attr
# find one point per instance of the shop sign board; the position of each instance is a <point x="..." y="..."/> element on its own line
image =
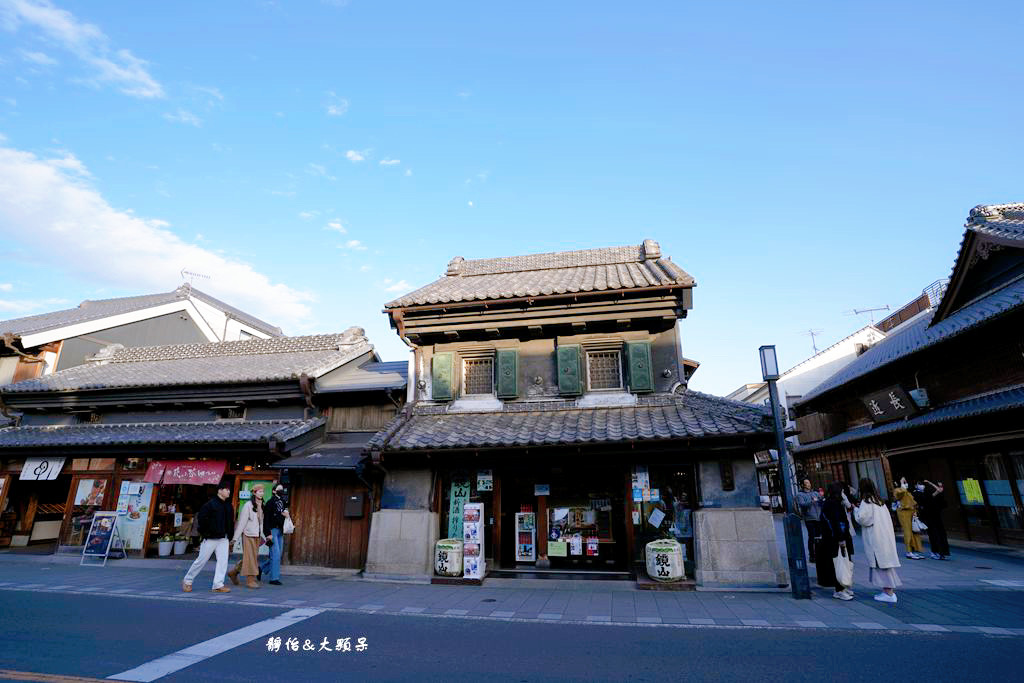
<point x="557" y="548"/>
<point x="484" y="480"/>
<point x="542" y="489"/>
<point x="196" y="472"/>
<point x="458" y="495"/>
<point x="41" y="469"/>
<point x="971" y="492"/>
<point x="891" y="403"/>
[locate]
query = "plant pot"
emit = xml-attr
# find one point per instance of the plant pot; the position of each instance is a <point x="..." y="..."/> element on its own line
<point x="180" y="547"/>
<point x="165" y="548"/>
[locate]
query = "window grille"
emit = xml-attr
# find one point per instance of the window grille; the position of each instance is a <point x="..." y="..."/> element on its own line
<point x="604" y="370"/>
<point x="478" y="376"/>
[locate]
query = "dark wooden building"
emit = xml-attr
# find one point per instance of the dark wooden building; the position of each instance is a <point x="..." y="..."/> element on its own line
<point x="942" y="397"/>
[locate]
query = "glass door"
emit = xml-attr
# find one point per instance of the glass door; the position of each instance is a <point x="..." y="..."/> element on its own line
<point x="89" y="494"/>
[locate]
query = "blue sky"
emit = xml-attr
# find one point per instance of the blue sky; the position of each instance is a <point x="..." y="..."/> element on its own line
<point x="317" y="159"/>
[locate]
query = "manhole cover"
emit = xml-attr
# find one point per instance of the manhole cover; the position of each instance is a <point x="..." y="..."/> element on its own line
<point x="489" y="600"/>
<point x="983" y="567"/>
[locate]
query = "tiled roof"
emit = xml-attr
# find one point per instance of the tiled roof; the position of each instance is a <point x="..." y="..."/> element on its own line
<point x="689" y="415"/>
<point x="366" y="377"/>
<point x="252" y="360"/>
<point x="612" y="268"/>
<point x="254" y="431"/>
<point x="340" y="452"/>
<point x="1002" y="221"/>
<point x="917" y="336"/>
<point x="104" y="308"/>
<point x="1007" y="399"/>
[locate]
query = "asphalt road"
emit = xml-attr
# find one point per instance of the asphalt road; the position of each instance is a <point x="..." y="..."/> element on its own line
<point x="101" y="636"/>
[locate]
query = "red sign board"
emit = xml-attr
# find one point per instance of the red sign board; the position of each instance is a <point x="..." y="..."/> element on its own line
<point x="186" y="471"/>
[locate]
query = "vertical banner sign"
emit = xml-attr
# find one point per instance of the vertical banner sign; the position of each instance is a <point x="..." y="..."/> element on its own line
<point x="458" y="494"/>
<point x="473" y="541"/>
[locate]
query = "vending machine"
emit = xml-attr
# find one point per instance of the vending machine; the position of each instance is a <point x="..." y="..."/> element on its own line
<point x="473" y="541"/>
<point x="526" y="537"/>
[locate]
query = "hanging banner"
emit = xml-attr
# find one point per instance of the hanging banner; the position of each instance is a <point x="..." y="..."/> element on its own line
<point x="41" y="469"/>
<point x="458" y="495"/>
<point x="195" y="472"/>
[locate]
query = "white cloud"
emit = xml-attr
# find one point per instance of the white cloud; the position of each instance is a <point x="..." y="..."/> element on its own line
<point x="354" y="156"/>
<point x="69" y="162"/>
<point x="38" y="58"/>
<point x="6" y="286"/>
<point x="336" y="106"/>
<point x="66" y="224"/>
<point x="319" y="170"/>
<point x="185" y="117"/>
<point x="354" y="245"/>
<point x="408" y="172"/>
<point x="390" y="162"/>
<point x="86" y="42"/>
<point x="336" y="226"/>
<point x="25" y="306"/>
<point x="400" y="286"/>
<point x="463" y="94"/>
<point x="365" y="268"/>
<point x="213" y="92"/>
<point x="470" y="204"/>
<point x="307" y="215"/>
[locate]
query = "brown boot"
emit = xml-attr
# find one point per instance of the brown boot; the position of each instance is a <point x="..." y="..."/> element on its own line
<point x="251" y="582"/>
<point x="187" y="587"/>
<point x="233" y="575"/>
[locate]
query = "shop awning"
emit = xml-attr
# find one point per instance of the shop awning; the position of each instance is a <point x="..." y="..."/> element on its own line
<point x="340" y="452"/>
<point x="196" y="472"/>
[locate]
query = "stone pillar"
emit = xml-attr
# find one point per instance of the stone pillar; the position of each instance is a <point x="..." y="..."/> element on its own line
<point x="736" y="548"/>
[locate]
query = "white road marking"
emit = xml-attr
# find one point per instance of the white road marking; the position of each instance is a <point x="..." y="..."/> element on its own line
<point x="158" y="668"/>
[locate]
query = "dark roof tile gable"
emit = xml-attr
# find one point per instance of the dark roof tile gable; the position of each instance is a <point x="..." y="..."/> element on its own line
<point x="585" y="270"/>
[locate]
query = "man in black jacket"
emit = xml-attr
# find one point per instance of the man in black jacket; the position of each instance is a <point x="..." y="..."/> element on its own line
<point x="216" y="526"/>
<point x="274" y="514"/>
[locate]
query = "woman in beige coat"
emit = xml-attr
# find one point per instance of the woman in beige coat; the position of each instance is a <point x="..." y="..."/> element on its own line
<point x="879" y="541"/>
<point x="250" y="529"/>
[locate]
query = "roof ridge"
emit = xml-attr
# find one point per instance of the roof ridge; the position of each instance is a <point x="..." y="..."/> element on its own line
<point x="551" y="260"/>
<point x="243" y="347"/>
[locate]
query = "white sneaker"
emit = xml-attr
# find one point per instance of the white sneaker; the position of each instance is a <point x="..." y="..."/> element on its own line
<point x="885" y="597"/>
<point x="848" y="591"/>
<point x="842" y="595"/>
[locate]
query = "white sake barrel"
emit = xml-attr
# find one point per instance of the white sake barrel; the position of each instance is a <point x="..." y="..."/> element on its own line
<point x="448" y="557"/>
<point x="665" y="560"/>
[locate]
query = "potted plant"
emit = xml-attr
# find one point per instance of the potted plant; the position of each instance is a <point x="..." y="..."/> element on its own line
<point x="166" y="544"/>
<point x="180" y="544"/>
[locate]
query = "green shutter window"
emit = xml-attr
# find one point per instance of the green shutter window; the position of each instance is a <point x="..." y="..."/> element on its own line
<point x="638" y="362"/>
<point x="441" y="376"/>
<point x="507" y="370"/>
<point x="570" y="379"/>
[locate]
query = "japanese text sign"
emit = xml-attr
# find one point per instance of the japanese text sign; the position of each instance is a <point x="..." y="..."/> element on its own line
<point x="889" y="404"/>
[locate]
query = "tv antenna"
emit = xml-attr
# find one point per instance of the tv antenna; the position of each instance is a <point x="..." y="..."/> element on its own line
<point x="812" y="334"/>
<point x="870" y="311"/>
<point x="191" y="275"/>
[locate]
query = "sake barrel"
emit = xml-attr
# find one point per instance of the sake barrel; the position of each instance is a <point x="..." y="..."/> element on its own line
<point x="448" y="557"/>
<point x="665" y="560"/>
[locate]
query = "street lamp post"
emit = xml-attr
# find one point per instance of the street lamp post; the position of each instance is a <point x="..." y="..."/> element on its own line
<point x="799" y="582"/>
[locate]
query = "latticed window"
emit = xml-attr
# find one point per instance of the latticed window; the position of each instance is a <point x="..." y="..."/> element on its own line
<point x="604" y="370"/>
<point x="478" y="376"/>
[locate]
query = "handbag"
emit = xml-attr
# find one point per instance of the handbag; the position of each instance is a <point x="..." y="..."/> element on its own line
<point x="844" y="567"/>
<point x="289" y="526"/>
<point x="917" y="526"/>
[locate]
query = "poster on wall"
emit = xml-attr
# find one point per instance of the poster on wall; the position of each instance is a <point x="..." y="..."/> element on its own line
<point x="133" y="508"/>
<point x="90" y="492"/>
<point x="542" y="489"/>
<point x="484" y="480"/>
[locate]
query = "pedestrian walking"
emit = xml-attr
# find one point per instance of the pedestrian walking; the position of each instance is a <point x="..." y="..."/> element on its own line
<point x="809" y="502"/>
<point x="879" y="541"/>
<point x="906" y="511"/>
<point x="250" y="531"/>
<point x="836" y="541"/>
<point x="934" y="502"/>
<point x="273" y="530"/>
<point x="216" y="524"/>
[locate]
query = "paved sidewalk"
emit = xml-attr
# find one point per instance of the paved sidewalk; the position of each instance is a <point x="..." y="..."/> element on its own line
<point x="976" y="592"/>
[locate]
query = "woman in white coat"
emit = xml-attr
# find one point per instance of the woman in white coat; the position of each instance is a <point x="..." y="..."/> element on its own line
<point x="879" y="541"/>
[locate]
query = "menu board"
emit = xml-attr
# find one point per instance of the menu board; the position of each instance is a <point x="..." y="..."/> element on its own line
<point x="100" y="534"/>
